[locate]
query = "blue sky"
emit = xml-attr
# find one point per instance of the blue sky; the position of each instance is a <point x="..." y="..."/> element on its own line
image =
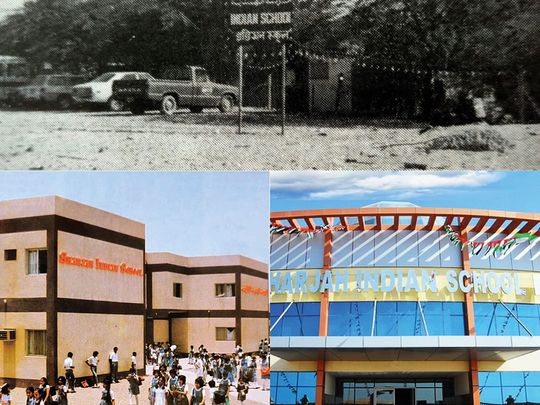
<point x="506" y="191"/>
<point x="191" y="214"/>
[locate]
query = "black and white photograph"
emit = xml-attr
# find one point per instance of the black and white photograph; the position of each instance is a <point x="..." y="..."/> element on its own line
<point x="269" y="84"/>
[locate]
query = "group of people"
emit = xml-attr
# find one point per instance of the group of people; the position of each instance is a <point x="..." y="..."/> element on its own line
<point x="215" y="376"/>
<point x="43" y="394"/>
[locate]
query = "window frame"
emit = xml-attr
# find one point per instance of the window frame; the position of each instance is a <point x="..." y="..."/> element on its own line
<point x="218" y="339"/>
<point x="7" y="256"/>
<point x="223" y="286"/>
<point x="27" y="333"/>
<point x="28" y="253"/>
<point x="175" y="285"/>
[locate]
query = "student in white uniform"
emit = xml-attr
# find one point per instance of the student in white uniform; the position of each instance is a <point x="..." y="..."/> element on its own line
<point x="113" y="361"/>
<point x="68" y="370"/>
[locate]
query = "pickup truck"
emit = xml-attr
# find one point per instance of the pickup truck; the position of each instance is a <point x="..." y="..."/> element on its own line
<point x="187" y="86"/>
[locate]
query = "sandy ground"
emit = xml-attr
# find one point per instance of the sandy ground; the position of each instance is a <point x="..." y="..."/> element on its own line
<point x="91" y="396"/>
<point x="108" y="141"/>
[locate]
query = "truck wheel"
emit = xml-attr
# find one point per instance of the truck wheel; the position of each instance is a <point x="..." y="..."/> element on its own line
<point x="137" y="109"/>
<point x="226" y="104"/>
<point x="168" y="105"/>
<point x="115" y="105"/>
<point x="65" y="102"/>
<point x="196" y="110"/>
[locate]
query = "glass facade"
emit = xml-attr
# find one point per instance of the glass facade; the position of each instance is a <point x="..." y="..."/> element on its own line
<point x="497" y="387"/>
<point x="426" y="391"/>
<point x="301" y="319"/>
<point x="493" y="319"/>
<point x="289" y="388"/>
<point x="396" y="318"/>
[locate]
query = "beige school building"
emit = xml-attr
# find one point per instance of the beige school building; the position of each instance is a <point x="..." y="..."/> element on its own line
<point x="75" y="278"/>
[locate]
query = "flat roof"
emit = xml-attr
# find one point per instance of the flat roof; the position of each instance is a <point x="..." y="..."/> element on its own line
<point x="56" y="205"/>
<point x="205" y="261"/>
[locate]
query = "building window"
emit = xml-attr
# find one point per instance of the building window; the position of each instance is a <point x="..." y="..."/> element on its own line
<point x="177" y="290"/>
<point x="36" y="343"/>
<point x="226" y="334"/>
<point x="225" y="290"/>
<point x="301" y="319"/>
<point x="37" y="261"/>
<point x="493" y="319"/>
<point x="497" y="387"/>
<point x="10" y="254"/>
<point x="290" y="387"/>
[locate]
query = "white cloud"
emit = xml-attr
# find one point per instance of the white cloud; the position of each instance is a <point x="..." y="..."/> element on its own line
<point x="329" y="185"/>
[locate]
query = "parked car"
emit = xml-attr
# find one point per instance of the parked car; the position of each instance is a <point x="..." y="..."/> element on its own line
<point x="49" y="89"/>
<point x="100" y="90"/>
<point x="187" y="86"/>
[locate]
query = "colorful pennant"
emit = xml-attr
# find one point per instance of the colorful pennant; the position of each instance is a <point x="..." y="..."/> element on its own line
<point x="496" y="247"/>
<point x="279" y="229"/>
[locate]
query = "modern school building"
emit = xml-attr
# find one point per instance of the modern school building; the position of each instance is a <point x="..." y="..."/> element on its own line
<point x="405" y="305"/>
<point x="77" y="278"/>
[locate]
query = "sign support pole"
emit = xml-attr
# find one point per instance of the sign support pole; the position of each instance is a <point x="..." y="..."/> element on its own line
<point x="240" y="85"/>
<point x="270" y="91"/>
<point x="283" y="84"/>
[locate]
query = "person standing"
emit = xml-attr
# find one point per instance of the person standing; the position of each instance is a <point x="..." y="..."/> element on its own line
<point x="197" y="393"/>
<point x="5" y="395"/>
<point x="93" y="362"/>
<point x="113" y="361"/>
<point x="198" y="365"/>
<point x="134" y="360"/>
<point x="242" y="390"/>
<point x="265" y="372"/>
<point x="134" y="383"/>
<point x="160" y="393"/>
<point x="61" y="391"/>
<point x="107" y="395"/>
<point x="224" y="389"/>
<point x="46" y="389"/>
<point x="68" y="369"/>
<point x="30" y="396"/>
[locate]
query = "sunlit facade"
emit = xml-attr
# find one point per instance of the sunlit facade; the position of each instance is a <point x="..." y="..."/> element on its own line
<point x="378" y="305"/>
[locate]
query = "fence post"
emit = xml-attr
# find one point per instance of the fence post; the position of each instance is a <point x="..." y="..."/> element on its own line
<point x="240" y="85"/>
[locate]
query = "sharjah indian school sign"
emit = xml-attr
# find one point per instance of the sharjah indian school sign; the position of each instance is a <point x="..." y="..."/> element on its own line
<point x="99" y="264"/>
<point x="401" y="281"/>
<point x="257" y="20"/>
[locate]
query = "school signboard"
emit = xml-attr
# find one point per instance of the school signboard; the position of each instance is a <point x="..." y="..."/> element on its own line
<point x="259" y="20"/>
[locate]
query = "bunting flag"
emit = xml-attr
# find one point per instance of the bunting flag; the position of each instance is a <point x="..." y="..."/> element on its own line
<point x="496" y="247"/>
<point x="278" y="229"/>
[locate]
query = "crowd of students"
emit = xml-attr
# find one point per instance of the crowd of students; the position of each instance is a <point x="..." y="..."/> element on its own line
<point x="219" y="372"/>
<point x="215" y="376"/>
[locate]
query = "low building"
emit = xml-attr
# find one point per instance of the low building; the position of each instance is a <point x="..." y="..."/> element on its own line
<point x="74" y="279"/>
<point x="405" y="305"/>
<point x="234" y="308"/>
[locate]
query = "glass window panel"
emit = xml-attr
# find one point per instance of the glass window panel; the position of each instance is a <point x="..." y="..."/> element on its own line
<point x="273" y="391"/>
<point x="491" y="395"/>
<point x="386" y="325"/>
<point x="453" y="308"/>
<point x="363" y="248"/>
<point x="386" y="308"/>
<point x="512" y="378"/>
<point x="407" y="307"/>
<point x="279" y="249"/>
<point x="432" y="308"/>
<point x="434" y="325"/>
<point x="309" y="392"/>
<point x="507" y="326"/>
<point x="516" y="392"/>
<point x="315" y="251"/>
<point x="348" y="395"/>
<point x="489" y="379"/>
<point x="483" y="308"/>
<point x="276" y="310"/>
<point x="342" y="246"/>
<point x="527" y="310"/>
<point x="533" y="378"/>
<point x="425" y="394"/>
<point x="533" y="394"/>
<point x="291" y="326"/>
<point x="425" y="384"/>
<point x="307" y="379"/>
<point x="286" y="396"/>
<point x="287" y="378"/>
<point x="408" y="325"/>
<point x="533" y="324"/>
<point x="454" y="326"/>
<point x="438" y="394"/>
<point x="310" y="308"/>
<point x="273" y="379"/>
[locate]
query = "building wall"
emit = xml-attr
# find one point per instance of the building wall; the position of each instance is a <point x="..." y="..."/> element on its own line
<point x="161" y="330"/>
<point x="253" y="293"/>
<point x="96" y="284"/>
<point x="203" y="331"/>
<point x="19" y="284"/>
<point x="253" y="330"/>
<point x="180" y="334"/>
<point x="14" y="363"/>
<point x="84" y="333"/>
<point x="198" y="291"/>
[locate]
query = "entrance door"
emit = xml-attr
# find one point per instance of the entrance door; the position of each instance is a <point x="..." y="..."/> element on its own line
<point x="393" y="396"/>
